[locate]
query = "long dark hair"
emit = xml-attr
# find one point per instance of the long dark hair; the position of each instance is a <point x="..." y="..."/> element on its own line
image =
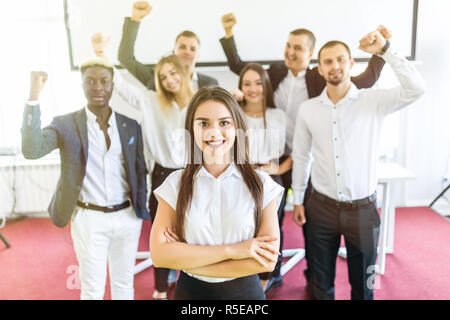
<point x="268" y="101"/>
<point x="195" y="155"/>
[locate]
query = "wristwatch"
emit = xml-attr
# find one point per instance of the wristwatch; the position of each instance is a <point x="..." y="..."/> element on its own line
<point x="384" y="49"/>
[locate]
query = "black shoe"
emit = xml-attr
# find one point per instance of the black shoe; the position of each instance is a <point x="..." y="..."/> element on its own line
<point x="274" y="282"/>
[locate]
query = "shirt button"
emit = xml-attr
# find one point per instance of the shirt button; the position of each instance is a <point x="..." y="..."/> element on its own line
<point x="334" y="122"/>
<point x="338" y="174"/>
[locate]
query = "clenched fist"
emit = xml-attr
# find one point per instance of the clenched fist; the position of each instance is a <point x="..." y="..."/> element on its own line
<point x="385" y="32"/>
<point x="99" y="43"/>
<point x="228" y="22"/>
<point x="37" y="81"/>
<point x="141" y="9"/>
<point x="372" y="43"/>
<point x="237" y="94"/>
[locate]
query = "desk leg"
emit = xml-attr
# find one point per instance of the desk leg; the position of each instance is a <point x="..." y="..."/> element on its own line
<point x="147" y="263"/>
<point x="296" y="254"/>
<point x="391" y="230"/>
<point x="2" y="237"/>
<point x="385" y="210"/>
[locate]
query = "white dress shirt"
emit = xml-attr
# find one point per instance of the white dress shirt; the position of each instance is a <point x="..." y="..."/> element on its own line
<point x="222" y="209"/>
<point x="194" y="82"/>
<point x="344" y="138"/>
<point x="163" y="134"/>
<point x="266" y="143"/>
<point x="290" y="94"/>
<point x="105" y="181"/>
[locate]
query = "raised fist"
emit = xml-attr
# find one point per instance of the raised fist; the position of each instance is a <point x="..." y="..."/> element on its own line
<point x="385" y="32"/>
<point x="99" y="43"/>
<point x="228" y="22"/>
<point x="37" y="81"/>
<point x="141" y="9"/>
<point x="372" y="43"/>
<point x="237" y="94"/>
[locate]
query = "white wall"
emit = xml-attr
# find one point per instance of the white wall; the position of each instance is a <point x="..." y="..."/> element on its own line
<point x="261" y="29"/>
<point x="427" y="147"/>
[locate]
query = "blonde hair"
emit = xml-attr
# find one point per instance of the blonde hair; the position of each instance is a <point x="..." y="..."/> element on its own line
<point x="165" y="97"/>
<point x="96" y="62"/>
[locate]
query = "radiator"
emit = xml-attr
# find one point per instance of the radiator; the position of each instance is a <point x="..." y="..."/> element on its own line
<point x="27" y="186"/>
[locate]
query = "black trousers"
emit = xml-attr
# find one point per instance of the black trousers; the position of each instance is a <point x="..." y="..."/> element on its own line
<point x="360" y="228"/>
<point x="159" y="174"/>
<point x="245" y="288"/>
<point x="280" y="213"/>
<point x="286" y="180"/>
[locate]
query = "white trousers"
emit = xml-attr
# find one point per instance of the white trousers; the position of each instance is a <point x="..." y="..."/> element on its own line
<point x="106" y="239"/>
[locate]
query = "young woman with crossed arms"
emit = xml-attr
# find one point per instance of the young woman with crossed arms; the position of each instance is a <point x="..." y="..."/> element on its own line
<point x="217" y="218"/>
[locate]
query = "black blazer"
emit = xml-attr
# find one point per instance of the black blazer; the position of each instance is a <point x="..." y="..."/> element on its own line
<point x="315" y="83"/>
<point x="69" y="134"/>
<point x="144" y="73"/>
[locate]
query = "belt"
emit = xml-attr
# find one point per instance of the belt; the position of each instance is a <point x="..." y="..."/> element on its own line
<point x="345" y="204"/>
<point x="90" y="206"/>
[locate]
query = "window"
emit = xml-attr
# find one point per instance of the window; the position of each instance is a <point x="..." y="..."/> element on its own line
<point x="34" y="39"/>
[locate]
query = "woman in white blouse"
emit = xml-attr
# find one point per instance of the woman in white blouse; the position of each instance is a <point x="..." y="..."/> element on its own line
<point x="217" y="218"/>
<point x="267" y="138"/>
<point x="163" y="114"/>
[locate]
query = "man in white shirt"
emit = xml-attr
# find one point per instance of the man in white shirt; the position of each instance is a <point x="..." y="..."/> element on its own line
<point x="340" y="129"/>
<point x="102" y="188"/>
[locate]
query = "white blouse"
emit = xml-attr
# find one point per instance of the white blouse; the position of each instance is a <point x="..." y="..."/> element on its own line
<point x="222" y="209"/>
<point x="267" y="144"/>
<point x="163" y="133"/>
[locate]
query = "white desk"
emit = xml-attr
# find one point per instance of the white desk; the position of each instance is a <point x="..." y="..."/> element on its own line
<point x="388" y="173"/>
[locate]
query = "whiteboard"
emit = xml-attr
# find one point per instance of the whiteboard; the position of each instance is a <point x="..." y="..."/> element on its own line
<point x="262" y="29"/>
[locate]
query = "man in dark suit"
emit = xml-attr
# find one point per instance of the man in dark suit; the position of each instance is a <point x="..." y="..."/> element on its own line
<point x="187" y="48"/>
<point x="102" y="187"/>
<point x="293" y="82"/>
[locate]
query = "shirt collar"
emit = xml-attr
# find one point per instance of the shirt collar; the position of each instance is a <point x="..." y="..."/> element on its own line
<point x="351" y="95"/>
<point x="231" y="170"/>
<point x="300" y="75"/>
<point x="195" y="76"/>
<point x="92" y="118"/>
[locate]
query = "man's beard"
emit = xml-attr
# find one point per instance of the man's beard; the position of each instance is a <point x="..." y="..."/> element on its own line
<point x="337" y="81"/>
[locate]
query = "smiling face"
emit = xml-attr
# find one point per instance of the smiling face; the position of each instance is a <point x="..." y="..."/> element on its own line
<point x="97" y="86"/>
<point x="188" y="50"/>
<point x="252" y="87"/>
<point x="297" y="53"/>
<point x="214" y="131"/>
<point x="170" y="78"/>
<point x="335" y="64"/>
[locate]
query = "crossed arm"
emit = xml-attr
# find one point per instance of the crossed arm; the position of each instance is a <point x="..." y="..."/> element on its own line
<point x="253" y="256"/>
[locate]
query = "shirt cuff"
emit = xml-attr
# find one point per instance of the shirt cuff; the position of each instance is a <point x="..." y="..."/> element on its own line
<point x="32" y="103"/>
<point x="389" y="54"/>
<point x="298" y="198"/>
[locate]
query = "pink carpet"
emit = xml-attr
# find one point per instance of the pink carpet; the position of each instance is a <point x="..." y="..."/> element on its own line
<point x="41" y="263"/>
